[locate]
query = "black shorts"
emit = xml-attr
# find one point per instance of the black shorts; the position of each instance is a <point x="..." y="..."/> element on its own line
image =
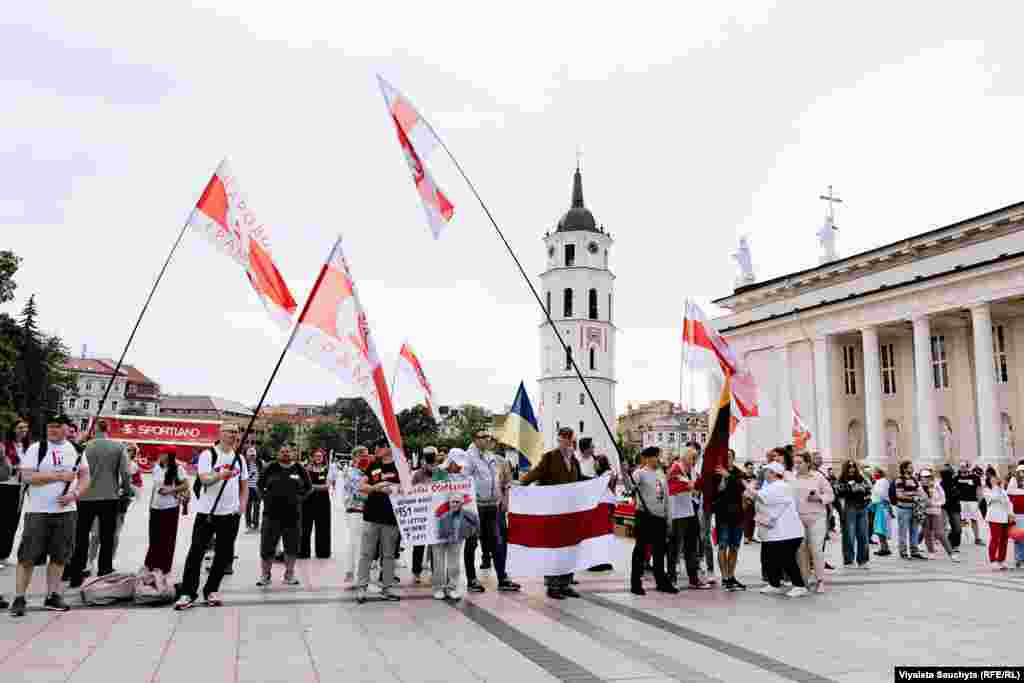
<point x="48" y="534"/>
<point x="273" y="530"/>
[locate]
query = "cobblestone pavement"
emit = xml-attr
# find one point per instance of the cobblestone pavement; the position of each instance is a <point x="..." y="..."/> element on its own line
<point x="897" y="612"/>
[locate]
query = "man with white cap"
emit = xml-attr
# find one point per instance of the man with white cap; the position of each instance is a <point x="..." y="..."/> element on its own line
<point x="781" y="532"/>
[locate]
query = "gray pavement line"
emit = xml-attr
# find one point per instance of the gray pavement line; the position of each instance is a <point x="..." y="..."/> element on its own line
<point x="28" y="640"/>
<point x="95" y="646"/>
<point x="309" y="648"/>
<point x="631" y="649"/>
<point x="166" y="648"/>
<point x="751" y="657"/>
<point x="986" y="584"/>
<point x="562" y="668"/>
<point x="287" y="602"/>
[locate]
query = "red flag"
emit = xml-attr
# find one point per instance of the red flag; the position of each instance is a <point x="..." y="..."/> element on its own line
<point x="223" y="216"/>
<point x="705" y="348"/>
<point x="801" y="433"/>
<point x="417" y="141"/>
<point x="409" y="364"/>
<point x="716" y="452"/>
<point x="334" y="333"/>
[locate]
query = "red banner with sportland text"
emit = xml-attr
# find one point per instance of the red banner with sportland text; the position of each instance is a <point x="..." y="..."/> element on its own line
<point x="159" y="430"/>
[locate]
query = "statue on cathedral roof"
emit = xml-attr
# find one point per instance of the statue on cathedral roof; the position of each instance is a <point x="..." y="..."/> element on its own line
<point x="744" y="263"/>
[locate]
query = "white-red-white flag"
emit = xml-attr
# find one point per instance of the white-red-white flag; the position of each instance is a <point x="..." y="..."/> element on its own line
<point x="704" y="348"/>
<point x="333" y="332"/>
<point x="224" y="218"/>
<point x="411" y="368"/>
<point x="801" y="433"/>
<point x="560" y="529"/>
<point x="417" y="141"/>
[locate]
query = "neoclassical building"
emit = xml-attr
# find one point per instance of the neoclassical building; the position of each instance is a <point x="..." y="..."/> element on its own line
<point x="912" y="350"/>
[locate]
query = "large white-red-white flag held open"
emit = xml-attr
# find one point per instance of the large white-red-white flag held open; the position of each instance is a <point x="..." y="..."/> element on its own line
<point x="559" y="529"/>
<point x="417" y="141"/>
<point x="410" y="367"/>
<point x="705" y="349"/>
<point x="333" y="332"/>
<point x="224" y="218"/>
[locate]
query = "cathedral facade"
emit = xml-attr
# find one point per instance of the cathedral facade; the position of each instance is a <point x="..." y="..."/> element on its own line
<point x="910" y="351"/>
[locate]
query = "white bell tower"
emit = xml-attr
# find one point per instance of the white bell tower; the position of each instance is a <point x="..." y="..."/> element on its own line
<point x="579" y="292"/>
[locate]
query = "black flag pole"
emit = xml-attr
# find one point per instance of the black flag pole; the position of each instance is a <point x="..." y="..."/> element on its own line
<point x="270" y="381"/>
<point x="533" y="290"/>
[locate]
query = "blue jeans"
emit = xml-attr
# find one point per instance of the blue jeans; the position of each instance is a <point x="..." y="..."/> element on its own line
<point x="1018" y="546"/>
<point x="909" y="531"/>
<point x="856" y="538"/>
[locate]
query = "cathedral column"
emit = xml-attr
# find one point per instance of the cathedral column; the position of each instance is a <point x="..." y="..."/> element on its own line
<point x="785" y="397"/>
<point x="927" y="419"/>
<point x="823" y="397"/>
<point x="989" y="426"/>
<point x="874" y="421"/>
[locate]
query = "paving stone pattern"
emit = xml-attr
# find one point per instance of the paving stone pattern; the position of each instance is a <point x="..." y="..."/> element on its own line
<point x="898" y="612"/>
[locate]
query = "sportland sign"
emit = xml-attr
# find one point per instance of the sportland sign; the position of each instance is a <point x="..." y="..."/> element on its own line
<point x="162" y="430"/>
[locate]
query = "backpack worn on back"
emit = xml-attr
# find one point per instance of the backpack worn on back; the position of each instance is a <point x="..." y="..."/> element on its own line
<point x="109" y="588"/>
<point x="197" y="485"/>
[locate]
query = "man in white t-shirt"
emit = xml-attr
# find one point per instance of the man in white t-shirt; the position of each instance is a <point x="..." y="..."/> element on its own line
<point x="51" y="468"/>
<point x="224" y="480"/>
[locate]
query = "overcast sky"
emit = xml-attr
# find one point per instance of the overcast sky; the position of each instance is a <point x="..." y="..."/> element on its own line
<point x="696" y="125"/>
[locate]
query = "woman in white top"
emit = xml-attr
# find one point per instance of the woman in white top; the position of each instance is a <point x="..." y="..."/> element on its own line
<point x="169" y="486"/>
<point x="781" y="532"/>
<point x="998" y="517"/>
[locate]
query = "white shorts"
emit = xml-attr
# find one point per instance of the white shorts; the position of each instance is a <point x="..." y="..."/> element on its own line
<point x="969" y="510"/>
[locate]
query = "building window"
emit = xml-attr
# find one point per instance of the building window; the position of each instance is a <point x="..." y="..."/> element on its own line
<point x="940" y="365"/>
<point x="671" y="437"/>
<point x="888" y="370"/>
<point x="605" y="258"/>
<point x="850" y="370"/>
<point x="582" y="399"/>
<point x="548" y="309"/>
<point x="661" y="437"/>
<point x="85" y="404"/>
<point x="593" y="304"/>
<point x="999" y="351"/>
<point x="567" y="303"/>
<point x="609" y="307"/>
<point x="113" y="406"/>
<point x="581" y="427"/>
<point x="568" y="358"/>
<point x="558" y="398"/>
<point x="71" y="404"/>
<point x="570" y="255"/>
<point x="593" y="359"/>
<point x="88" y="386"/>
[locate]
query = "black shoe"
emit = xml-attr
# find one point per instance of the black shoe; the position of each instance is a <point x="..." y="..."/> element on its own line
<point x="699" y="586"/>
<point x="507" y="586"/>
<point x="18" y="607"/>
<point x="3" y="603"/>
<point x="904" y="556"/>
<point x="302" y="557"/>
<point x="667" y="588"/>
<point x="570" y="592"/>
<point x="555" y="594"/>
<point x="486" y="564"/>
<point x="638" y="590"/>
<point x="883" y="553"/>
<point x="736" y="585"/>
<point x="601" y="568"/>
<point x="475" y="587"/>
<point x="56" y="603"/>
<point x="727" y="585"/>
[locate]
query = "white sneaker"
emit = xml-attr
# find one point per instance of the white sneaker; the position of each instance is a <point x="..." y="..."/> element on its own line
<point x="439" y="595"/>
<point x="1003" y="567"/>
<point x="454" y="595"/>
<point x="995" y="566"/>
<point x="772" y="590"/>
<point x="798" y="592"/>
<point x="955" y="557"/>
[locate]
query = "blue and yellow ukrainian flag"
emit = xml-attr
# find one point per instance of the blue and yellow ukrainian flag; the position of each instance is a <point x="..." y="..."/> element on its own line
<point x="520" y="429"/>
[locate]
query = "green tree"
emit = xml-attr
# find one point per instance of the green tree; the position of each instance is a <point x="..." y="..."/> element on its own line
<point x="8" y="267"/>
<point x="418" y="428"/>
<point x="468" y="420"/>
<point x="358" y="424"/>
<point x="280" y="433"/>
<point x="326" y="435"/>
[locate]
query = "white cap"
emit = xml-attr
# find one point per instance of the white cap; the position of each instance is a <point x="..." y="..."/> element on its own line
<point x="926" y="472"/>
<point x="775" y="467"/>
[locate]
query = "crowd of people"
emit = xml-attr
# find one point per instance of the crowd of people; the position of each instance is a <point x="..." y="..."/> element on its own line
<point x="75" y="497"/>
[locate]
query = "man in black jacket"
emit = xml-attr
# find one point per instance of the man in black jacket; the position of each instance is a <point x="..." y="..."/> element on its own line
<point x="284" y="485"/>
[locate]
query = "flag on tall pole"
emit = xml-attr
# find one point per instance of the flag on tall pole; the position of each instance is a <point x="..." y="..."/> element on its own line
<point x="705" y="348"/>
<point x="417" y="140"/>
<point x="716" y="452"/>
<point x="520" y="429"/>
<point x="801" y="433"/>
<point x="409" y="365"/>
<point x="333" y="332"/>
<point x="223" y="216"/>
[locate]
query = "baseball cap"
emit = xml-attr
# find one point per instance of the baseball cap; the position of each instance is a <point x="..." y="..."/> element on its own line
<point x="926" y="472"/>
<point x="1020" y="468"/>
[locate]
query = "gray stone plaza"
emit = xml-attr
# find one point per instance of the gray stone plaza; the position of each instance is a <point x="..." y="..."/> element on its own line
<point x="896" y="613"/>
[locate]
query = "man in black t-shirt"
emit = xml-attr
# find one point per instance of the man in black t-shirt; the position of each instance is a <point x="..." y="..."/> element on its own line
<point x="283" y="486"/>
<point x="379" y="523"/>
<point x="967" y="484"/>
